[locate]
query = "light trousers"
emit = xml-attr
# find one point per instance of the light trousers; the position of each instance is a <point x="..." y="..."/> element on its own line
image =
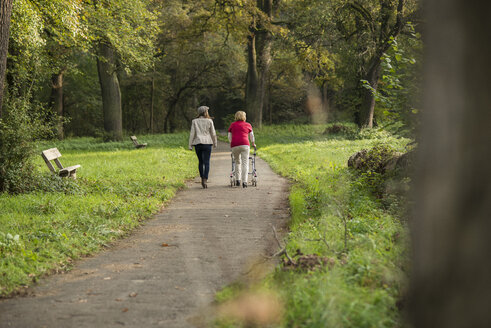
<point x="241" y="158"/>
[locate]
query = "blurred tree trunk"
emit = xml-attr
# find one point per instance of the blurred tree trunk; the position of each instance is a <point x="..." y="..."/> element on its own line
<point x="451" y="244"/>
<point x="57" y="100"/>
<point x="111" y="94"/>
<point x="5" y="13"/>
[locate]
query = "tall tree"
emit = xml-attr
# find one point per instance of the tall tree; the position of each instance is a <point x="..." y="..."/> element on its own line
<point x="65" y="33"/>
<point x="258" y="59"/>
<point x="389" y="28"/>
<point x="451" y="244"/>
<point x="370" y="27"/>
<point x="111" y="94"/>
<point x="124" y="33"/>
<point x="5" y="13"/>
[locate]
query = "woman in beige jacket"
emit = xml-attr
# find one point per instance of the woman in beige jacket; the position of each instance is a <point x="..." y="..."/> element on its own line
<point x="202" y="137"/>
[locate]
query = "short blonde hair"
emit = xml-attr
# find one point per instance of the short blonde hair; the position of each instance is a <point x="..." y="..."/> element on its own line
<point x="240" y="116"/>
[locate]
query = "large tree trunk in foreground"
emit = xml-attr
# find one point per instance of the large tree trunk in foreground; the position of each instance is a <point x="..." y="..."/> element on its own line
<point x="111" y="94"/>
<point x="5" y="13"/>
<point x="452" y="269"/>
<point x="57" y="100"/>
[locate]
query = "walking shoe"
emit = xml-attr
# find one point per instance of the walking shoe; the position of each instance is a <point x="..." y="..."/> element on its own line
<point x="237" y="183"/>
<point x="204" y="183"/>
<point x="244" y="185"/>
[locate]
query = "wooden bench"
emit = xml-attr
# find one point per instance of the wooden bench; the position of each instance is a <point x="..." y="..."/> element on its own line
<point x="52" y="155"/>
<point x="137" y="144"/>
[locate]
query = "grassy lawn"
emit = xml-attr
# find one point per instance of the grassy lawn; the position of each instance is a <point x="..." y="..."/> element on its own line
<point x="118" y="186"/>
<point x="335" y="216"/>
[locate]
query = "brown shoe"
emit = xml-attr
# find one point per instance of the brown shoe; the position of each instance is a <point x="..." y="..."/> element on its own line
<point x="204" y="183"/>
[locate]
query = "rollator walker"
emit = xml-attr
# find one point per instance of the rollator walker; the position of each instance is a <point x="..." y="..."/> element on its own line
<point x="252" y="169"/>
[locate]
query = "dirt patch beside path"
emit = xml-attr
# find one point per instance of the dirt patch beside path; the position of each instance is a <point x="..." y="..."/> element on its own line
<point x="166" y="273"/>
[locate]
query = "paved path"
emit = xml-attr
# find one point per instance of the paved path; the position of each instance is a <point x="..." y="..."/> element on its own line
<point x="215" y="236"/>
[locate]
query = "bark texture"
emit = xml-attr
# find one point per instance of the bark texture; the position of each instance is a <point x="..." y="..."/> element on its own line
<point x="5" y="13"/>
<point x="111" y="94"/>
<point x="451" y="278"/>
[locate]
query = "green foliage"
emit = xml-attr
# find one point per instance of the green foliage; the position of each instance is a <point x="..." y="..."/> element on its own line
<point x="128" y="26"/>
<point x="376" y="158"/>
<point x="65" y="219"/>
<point x="19" y="127"/>
<point x="173" y="56"/>
<point x="399" y="90"/>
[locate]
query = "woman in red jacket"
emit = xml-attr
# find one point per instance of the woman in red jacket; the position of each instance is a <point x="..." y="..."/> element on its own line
<point x="239" y="134"/>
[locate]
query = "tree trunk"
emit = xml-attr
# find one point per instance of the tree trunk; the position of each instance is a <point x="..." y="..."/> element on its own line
<point x="368" y="103"/>
<point x="451" y="244"/>
<point x="326" y="99"/>
<point x="168" y="125"/>
<point x="111" y="94"/>
<point x="5" y="13"/>
<point x="389" y="28"/>
<point x="57" y="100"/>
<point x="263" y="44"/>
<point x="258" y="64"/>
<point x="152" y="102"/>
<point x="252" y="80"/>
<point x="263" y="72"/>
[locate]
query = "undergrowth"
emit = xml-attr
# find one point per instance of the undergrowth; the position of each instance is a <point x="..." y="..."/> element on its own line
<point x="335" y="216"/>
<point x="117" y="187"/>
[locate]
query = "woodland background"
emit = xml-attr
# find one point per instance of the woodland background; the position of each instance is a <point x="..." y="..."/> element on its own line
<point x="108" y="68"/>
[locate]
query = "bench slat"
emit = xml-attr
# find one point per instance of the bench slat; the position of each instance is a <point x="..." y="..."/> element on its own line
<point x="51" y="154"/>
<point x="71" y="168"/>
<point x="69" y="171"/>
<point x="58" y="163"/>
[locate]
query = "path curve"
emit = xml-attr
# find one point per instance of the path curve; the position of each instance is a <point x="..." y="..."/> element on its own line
<point x="214" y="237"/>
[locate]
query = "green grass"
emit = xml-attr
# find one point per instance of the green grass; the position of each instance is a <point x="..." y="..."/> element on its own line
<point x="335" y="215"/>
<point x="118" y="186"/>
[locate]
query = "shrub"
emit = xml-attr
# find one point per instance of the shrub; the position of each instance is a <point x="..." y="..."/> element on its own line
<point x="375" y="159"/>
<point x="349" y="131"/>
<point x="19" y="127"/>
<point x="374" y="133"/>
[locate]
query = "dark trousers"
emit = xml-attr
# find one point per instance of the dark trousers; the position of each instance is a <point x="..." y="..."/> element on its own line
<point x="203" y="152"/>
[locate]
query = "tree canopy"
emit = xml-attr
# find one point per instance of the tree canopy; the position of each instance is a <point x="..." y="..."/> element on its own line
<point x="106" y="68"/>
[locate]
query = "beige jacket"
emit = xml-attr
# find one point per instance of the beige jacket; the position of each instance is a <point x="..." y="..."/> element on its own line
<point x="202" y="132"/>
